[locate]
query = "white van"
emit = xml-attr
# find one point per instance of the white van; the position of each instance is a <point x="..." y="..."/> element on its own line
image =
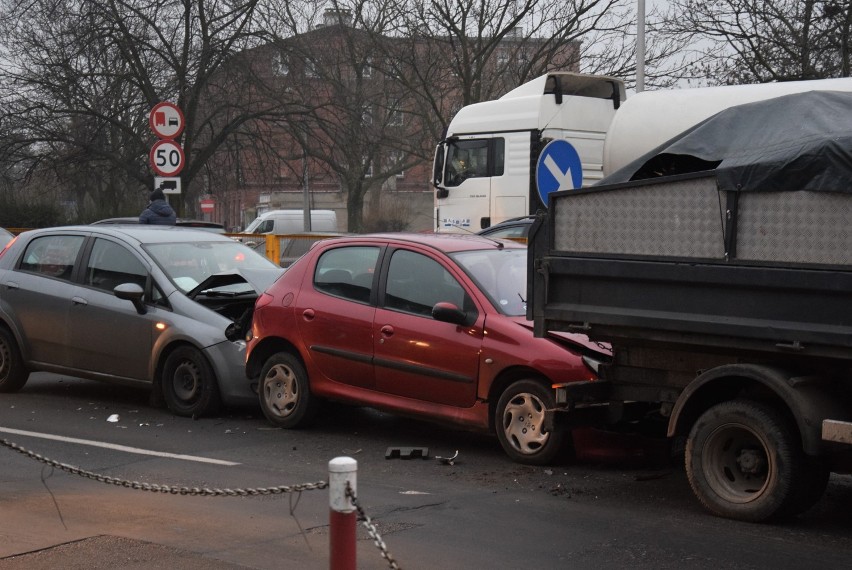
<point x="292" y="221"/>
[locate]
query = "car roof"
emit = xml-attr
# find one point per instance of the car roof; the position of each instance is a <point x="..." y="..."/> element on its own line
<point x="446" y="242"/>
<point x="141" y="233"/>
<point x="179" y="222"/>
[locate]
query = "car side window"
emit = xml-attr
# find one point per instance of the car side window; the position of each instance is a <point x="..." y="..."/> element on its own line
<point x="110" y="265"/>
<point x="416" y="283"/>
<point x="52" y="256"/>
<point x="347" y="272"/>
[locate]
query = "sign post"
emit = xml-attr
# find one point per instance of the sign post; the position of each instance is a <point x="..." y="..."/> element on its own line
<point x="167" y="158"/>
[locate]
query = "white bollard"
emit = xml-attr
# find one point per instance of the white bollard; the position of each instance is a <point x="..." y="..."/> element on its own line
<point x="342" y="518"/>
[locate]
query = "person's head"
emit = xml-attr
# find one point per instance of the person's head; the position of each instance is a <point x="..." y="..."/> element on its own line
<point x="157" y="195"/>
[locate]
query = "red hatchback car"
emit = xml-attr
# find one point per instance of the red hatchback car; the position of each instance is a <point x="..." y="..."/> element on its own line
<point x="431" y="326"/>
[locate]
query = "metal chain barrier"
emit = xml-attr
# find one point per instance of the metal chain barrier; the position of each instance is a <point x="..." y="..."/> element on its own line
<point x="372" y="531"/>
<point x="194" y="491"/>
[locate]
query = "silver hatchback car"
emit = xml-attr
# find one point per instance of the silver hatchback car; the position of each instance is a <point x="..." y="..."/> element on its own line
<point x="157" y="306"/>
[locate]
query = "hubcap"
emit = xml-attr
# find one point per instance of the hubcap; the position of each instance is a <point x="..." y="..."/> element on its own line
<point x="736" y="464"/>
<point x="187" y="381"/>
<point x="523" y="420"/>
<point x="280" y="390"/>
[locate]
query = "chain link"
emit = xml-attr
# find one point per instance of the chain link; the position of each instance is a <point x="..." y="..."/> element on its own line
<point x="194" y="491"/>
<point x="372" y="531"/>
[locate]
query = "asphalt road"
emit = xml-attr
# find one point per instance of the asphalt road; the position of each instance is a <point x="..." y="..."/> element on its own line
<point x="625" y="506"/>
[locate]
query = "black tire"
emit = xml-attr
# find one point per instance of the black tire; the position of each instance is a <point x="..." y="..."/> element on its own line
<point x="519" y="422"/>
<point x="189" y="384"/>
<point x="13" y="373"/>
<point x="285" y="393"/>
<point x="744" y="461"/>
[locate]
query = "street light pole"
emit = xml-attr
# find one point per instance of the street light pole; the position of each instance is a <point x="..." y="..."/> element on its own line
<point x="640" y="46"/>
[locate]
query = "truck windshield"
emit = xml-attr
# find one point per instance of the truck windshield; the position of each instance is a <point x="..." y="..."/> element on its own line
<point x="501" y="274"/>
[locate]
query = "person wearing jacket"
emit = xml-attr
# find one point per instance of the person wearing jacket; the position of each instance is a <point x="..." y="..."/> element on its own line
<point x="158" y="211"/>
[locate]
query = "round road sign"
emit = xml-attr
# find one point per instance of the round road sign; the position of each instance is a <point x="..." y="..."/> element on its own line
<point x="167" y="158"/>
<point x="166" y="120"/>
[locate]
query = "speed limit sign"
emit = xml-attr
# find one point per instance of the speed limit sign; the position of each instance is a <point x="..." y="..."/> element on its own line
<point x="167" y="157"/>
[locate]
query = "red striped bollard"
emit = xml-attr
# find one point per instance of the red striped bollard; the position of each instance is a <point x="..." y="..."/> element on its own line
<point x="342" y="518"/>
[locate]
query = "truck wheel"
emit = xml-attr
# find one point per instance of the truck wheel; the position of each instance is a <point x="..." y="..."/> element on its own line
<point x="285" y="394"/>
<point x="519" y="422"/>
<point x="13" y="373"/>
<point x="189" y="384"/>
<point x="744" y="461"/>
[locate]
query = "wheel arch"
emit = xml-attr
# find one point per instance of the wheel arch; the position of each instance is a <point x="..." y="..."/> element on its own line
<point x="266" y="348"/>
<point x="803" y="400"/>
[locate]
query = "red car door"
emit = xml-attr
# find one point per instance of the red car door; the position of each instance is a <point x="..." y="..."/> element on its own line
<point x="334" y="314"/>
<point x="415" y="355"/>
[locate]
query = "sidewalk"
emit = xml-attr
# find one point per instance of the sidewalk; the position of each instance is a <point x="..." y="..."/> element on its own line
<point x="102" y="552"/>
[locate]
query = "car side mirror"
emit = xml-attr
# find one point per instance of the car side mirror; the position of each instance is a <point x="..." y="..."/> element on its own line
<point x="131" y="292"/>
<point x="449" y="313"/>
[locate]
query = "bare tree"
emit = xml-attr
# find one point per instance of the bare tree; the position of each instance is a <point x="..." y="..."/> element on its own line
<point x="79" y="78"/>
<point x="751" y="41"/>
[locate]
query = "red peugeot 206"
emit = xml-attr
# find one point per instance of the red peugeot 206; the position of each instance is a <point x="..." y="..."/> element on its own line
<point x="431" y="326"/>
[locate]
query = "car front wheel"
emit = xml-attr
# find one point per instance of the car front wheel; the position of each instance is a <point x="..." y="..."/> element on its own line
<point x="13" y="373"/>
<point x="285" y="394"/>
<point x="189" y="384"/>
<point x="519" y="421"/>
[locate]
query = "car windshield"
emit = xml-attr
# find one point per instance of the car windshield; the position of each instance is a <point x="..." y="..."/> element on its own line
<point x="189" y="263"/>
<point x="501" y="274"/>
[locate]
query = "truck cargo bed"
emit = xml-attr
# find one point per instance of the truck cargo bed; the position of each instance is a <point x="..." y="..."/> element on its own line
<point x="676" y="262"/>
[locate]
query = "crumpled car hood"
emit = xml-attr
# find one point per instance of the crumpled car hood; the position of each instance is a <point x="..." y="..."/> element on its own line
<point x="258" y="279"/>
<point x="579" y="342"/>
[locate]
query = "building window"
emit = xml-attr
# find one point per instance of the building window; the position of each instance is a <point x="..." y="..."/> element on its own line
<point x="368" y="168"/>
<point x="502" y="58"/>
<point x="367" y="69"/>
<point x="395" y="118"/>
<point x="395" y="159"/>
<point x="280" y="65"/>
<point x="367" y="115"/>
<point x="311" y="69"/>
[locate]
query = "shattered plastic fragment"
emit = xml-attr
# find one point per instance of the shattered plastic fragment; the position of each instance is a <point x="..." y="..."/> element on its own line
<point x="113" y="418"/>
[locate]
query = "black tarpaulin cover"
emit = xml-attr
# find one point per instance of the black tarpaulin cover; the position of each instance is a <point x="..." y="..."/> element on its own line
<point x="795" y="142"/>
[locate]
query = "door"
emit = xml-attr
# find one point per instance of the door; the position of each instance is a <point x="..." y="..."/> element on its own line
<point x="415" y="355"/>
<point x="38" y="295"/>
<point x="108" y="336"/>
<point x="334" y="312"/>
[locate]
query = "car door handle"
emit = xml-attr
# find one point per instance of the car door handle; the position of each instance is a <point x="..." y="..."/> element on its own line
<point x="11" y="285"/>
<point x="79" y="301"/>
<point x="308" y="314"/>
<point x="387" y="330"/>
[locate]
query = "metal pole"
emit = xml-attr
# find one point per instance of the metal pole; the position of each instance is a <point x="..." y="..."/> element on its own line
<point x="342" y="518"/>
<point x="306" y="191"/>
<point x="640" y="46"/>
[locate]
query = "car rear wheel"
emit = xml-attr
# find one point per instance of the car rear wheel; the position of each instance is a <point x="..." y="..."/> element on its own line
<point x="519" y="421"/>
<point x="285" y="394"/>
<point x="13" y="373"/>
<point x="189" y="384"/>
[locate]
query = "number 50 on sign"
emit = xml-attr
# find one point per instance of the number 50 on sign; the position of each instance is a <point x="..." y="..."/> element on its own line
<point x="167" y="158"/>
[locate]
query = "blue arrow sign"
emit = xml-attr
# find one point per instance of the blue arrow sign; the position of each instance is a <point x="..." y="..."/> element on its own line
<point x="559" y="168"/>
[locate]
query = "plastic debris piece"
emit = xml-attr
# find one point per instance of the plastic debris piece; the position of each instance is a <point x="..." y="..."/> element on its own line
<point x="113" y="418"/>
<point x="448" y="460"/>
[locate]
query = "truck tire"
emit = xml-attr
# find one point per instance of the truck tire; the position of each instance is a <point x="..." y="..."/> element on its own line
<point x="744" y="461"/>
<point x="13" y="373"/>
<point x="285" y="393"/>
<point x="519" y="422"/>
